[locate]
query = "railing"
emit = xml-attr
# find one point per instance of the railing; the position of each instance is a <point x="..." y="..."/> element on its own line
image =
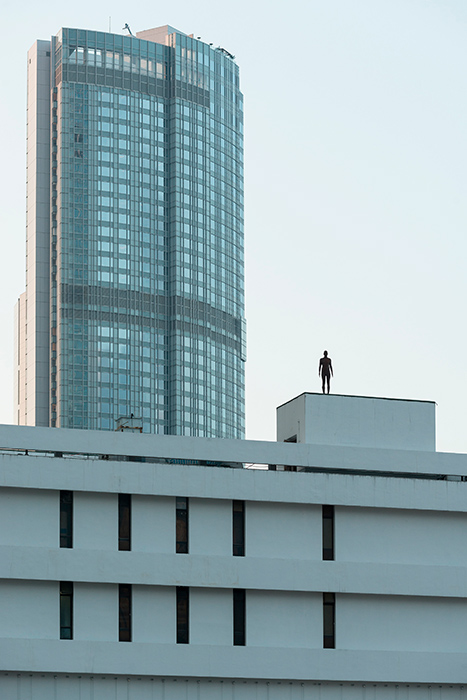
<point x="21" y="452"/>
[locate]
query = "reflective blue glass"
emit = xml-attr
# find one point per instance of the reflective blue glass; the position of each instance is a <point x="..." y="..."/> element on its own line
<point x="147" y="288"/>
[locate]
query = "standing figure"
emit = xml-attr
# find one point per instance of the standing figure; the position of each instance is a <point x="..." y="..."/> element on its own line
<point x="325" y="370"/>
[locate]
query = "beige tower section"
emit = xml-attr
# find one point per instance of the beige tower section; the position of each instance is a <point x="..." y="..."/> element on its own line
<point x="159" y="35"/>
<point x="32" y="309"/>
<point x="19" y="399"/>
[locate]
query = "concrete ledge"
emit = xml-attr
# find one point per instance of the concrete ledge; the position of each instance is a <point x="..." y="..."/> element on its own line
<point x="248" y="662"/>
<point x="246" y="484"/>
<point x="149" y="569"/>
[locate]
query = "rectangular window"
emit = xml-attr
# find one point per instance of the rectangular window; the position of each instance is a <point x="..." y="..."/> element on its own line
<point x="239" y="617"/>
<point x="238" y="528"/>
<point x="66" y="519"/>
<point x="66" y="610"/>
<point x="124" y="613"/>
<point x="328" y="533"/>
<point x="183" y="611"/>
<point x="182" y="525"/>
<point x="124" y="522"/>
<point x="329" y="615"/>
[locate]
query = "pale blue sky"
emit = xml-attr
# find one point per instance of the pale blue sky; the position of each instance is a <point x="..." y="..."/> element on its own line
<point x="356" y="175"/>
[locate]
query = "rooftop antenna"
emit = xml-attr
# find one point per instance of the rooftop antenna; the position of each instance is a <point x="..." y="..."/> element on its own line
<point x="127" y="27"/>
<point x="110" y="24"/>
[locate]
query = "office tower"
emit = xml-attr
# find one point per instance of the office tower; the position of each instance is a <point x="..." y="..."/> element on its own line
<point x="134" y="285"/>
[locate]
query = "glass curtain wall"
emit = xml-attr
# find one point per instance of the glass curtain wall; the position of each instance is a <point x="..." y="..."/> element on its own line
<point x="147" y="242"/>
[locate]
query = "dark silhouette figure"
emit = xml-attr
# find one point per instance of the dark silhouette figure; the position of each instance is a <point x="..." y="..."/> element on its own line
<point x="325" y="370"/>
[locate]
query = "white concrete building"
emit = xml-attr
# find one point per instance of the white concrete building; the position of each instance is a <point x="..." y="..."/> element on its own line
<point x="155" y="567"/>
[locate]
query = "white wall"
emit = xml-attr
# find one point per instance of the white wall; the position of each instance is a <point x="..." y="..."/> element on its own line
<point x="211" y="616"/>
<point x="154" y="614"/>
<point x="284" y="619"/>
<point x="358" y="420"/>
<point x="153" y="524"/>
<point x="29" y="517"/>
<point x="29" y="609"/>
<point x="95" y="614"/>
<point x="396" y="535"/>
<point x="196" y="448"/>
<point x="210" y="526"/>
<point x="283" y="530"/>
<point x="95" y="520"/>
<point x="401" y="623"/>
<point x="377" y="598"/>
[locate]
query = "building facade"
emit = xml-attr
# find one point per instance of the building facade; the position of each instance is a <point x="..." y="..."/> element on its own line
<point x="146" y="566"/>
<point x="134" y="298"/>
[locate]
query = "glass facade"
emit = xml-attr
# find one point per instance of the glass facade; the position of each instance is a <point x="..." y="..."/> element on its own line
<point x="146" y="276"/>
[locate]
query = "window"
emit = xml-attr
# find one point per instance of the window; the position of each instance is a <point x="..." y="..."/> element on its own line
<point x="183" y="615"/>
<point x="239" y="617"/>
<point x="328" y="533"/>
<point x="182" y="525"/>
<point x="124" y="613"/>
<point x="66" y="519"/>
<point x="238" y="528"/>
<point x="66" y="610"/>
<point x="329" y="613"/>
<point x="124" y="522"/>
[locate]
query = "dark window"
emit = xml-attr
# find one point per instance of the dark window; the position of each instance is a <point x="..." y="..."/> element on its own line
<point x="66" y="519"/>
<point x="329" y="615"/>
<point x="328" y="533"/>
<point x="66" y="610"/>
<point x="290" y="468"/>
<point x="183" y="611"/>
<point x="182" y="525"/>
<point x="239" y="617"/>
<point x="124" y="521"/>
<point x="238" y="528"/>
<point x="124" y="613"/>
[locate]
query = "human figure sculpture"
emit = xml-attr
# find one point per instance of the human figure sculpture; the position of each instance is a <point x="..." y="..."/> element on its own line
<point x="325" y="370"/>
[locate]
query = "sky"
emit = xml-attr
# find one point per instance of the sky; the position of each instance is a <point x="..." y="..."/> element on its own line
<point x="355" y="190"/>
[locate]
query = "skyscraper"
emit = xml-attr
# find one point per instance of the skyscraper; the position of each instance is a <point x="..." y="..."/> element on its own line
<point x="134" y="299"/>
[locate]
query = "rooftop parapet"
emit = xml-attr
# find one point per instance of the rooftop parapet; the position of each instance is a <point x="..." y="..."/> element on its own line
<point x="358" y="421"/>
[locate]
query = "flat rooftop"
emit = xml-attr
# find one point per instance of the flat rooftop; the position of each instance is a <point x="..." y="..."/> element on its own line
<point x="360" y="421"/>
